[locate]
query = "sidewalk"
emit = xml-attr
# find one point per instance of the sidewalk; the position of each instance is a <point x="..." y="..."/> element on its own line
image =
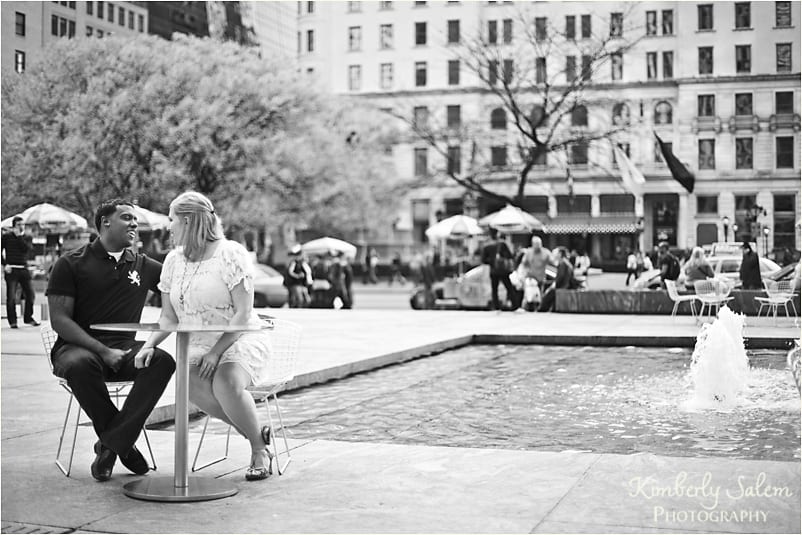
<point x="368" y="487"/>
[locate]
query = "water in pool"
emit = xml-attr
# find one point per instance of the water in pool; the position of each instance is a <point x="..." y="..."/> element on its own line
<point x="554" y="398"/>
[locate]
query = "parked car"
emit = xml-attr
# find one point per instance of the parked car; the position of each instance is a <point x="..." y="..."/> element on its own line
<point x="723" y="266"/>
<point x="785" y="273"/>
<point x="268" y="287"/>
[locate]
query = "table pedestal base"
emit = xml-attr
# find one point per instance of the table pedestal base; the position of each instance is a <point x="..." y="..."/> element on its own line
<point x="163" y="489"/>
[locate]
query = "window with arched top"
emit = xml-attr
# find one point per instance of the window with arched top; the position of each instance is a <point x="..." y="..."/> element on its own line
<point x="537" y="115"/>
<point x="498" y="119"/>
<point x="663" y="113"/>
<point x="579" y="116"/>
<point x="621" y="114"/>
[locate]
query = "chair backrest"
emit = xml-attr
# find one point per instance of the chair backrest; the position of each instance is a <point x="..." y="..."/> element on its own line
<point x="285" y="338"/>
<point x="705" y="287"/>
<point x="49" y="337"/>
<point x="671" y="286"/>
<point x="784" y="288"/>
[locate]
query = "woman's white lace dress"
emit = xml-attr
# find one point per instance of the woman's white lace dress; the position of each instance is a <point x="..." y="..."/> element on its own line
<point x="206" y="289"/>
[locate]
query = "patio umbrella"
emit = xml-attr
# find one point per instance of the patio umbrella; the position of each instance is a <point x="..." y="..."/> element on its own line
<point x="511" y="219"/>
<point x="51" y="218"/>
<point x="326" y="244"/>
<point x="150" y="220"/>
<point x="456" y="226"/>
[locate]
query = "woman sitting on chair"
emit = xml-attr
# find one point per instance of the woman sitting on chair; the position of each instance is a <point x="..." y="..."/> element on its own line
<point x="697" y="268"/>
<point x="209" y="280"/>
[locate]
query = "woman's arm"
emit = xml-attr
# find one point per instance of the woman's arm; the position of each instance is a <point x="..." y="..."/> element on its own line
<point x="168" y="315"/>
<point x="242" y="298"/>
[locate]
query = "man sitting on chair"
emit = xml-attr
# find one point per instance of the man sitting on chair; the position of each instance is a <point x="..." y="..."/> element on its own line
<point x="106" y="282"/>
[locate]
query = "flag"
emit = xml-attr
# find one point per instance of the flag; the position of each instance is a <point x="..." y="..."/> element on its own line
<point x="630" y="175"/>
<point x="678" y="171"/>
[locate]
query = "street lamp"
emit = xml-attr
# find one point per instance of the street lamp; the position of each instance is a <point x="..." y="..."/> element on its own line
<point x="766" y="241"/>
<point x="734" y="232"/>
<point x="725" y="221"/>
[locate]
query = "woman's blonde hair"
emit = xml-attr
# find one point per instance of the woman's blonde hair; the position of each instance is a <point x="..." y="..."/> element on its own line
<point x="203" y="225"/>
<point x="697" y="257"/>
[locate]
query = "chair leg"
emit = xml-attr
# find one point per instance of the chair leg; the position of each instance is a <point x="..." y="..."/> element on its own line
<point x="273" y="445"/>
<point x="66" y="470"/>
<point x="693" y="310"/>
<point x="150" y="450"/>
<point x="674" y="310"/>
<point x="195" y="467"/>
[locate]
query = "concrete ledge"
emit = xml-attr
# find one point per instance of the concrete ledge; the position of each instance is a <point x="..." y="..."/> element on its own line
<point x="757" y="342"/>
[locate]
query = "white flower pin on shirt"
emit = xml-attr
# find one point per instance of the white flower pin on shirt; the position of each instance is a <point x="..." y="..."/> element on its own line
<point x="133" y="276"/>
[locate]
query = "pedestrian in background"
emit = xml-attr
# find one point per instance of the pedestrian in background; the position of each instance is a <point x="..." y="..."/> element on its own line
<point x="697" y="268"/>
<point x="396" y="275"/>
<point x="533" y="268"/>
<point x="298" y="278"/>
<point x="373" y="264"/>
<point x="632" y="266"/>
<point x="564" y="280"/>
<point x="750" y="268"/>
<point x="668" y="264"/>
<point x="497" y="255"/>
<point x="15" y="250"/>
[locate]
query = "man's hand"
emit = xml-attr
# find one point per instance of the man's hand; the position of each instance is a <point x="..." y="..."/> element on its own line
<point x="7" y="268"/>
<point x="113" y="357"/>
<point x="142" y="358"/>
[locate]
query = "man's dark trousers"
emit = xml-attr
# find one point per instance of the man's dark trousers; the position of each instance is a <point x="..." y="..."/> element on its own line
<point x="22" y="277"/>
<point x="87" y="374"/>
<point x="512" y="293"/>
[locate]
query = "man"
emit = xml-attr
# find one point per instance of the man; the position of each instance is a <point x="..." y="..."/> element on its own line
<point x="668" y="264"/>
<point x="298" y="278"/>
<point x="498" y="256"/>
<point x="106" y="282"/>
<point x="15" y="269"/>
<point x="564" y="279"/>
<point x="750" y="268"/>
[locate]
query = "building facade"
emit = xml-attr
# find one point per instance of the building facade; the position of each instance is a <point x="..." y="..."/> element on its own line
<point x="718" y="81"/>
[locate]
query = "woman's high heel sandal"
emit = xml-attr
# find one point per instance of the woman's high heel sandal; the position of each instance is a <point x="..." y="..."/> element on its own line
<point x="254" y="473"/>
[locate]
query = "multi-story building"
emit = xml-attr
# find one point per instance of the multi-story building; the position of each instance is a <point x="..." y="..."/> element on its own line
<point x="27" y="27"/>
<point x="718" y="81"/>
<point x="274" y="26"/>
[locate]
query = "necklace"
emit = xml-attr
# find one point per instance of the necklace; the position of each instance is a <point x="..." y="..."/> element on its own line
<point x="184" y="287"/>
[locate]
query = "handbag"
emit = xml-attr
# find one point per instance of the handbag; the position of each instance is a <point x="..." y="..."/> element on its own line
<point x="501" y="264"/>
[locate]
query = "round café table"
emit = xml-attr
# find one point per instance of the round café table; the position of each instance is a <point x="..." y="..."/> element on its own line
<point x="180" y="487"/>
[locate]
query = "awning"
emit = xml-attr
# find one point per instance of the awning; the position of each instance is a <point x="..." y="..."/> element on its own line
<point x="592" y="225"/>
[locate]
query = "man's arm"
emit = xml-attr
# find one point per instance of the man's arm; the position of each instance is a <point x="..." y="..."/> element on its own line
<point x="61" y="309"/>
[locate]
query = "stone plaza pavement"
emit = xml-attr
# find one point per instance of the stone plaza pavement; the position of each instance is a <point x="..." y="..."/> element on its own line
<point x="348" y="487"/>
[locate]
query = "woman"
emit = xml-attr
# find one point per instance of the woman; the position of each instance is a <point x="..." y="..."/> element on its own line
<point x="697" y="268"/>
<point x="207" y="279"/>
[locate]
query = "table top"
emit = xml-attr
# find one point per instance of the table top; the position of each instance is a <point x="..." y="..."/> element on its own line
<point x="179" y="327"/>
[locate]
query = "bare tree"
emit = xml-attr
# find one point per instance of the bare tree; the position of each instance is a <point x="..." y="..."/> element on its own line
<point x="544" y="82"/>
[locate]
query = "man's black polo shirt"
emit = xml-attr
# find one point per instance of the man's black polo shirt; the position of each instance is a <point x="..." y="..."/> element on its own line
<point x="104" y="290"/>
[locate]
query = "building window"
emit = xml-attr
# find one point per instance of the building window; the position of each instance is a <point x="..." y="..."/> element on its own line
<point x="420" y="33"/>
<point x="707" y="154"/>
<point x="537" y="115"/>
<point x="540" y="70"/>
<point x="579" y="116"/>
<point x="706" y="105"/>
<point x="743" y="153"/>
<point x="668" y="65"/>
<point x="110" y="12"/>
<point x="420" y="3"/>
<point x="621" y="114"/>
<point x="19" y="61"/>
<point x="668" y="22"/>
<point x="570" y="69"/>
<point x="421" y="162"/>
<point x="420" y="117"/>
<point x="453" y="72"/>
<point x="507" y="31"/>
<point x="354" y="77"/>
<point x="19" y="23"/>
<point x="99" y="33"/>
<point x="100" y="10"/>
<point x="90" y="8"/>
<point x="743" y="103"/>
<point x="310" y="7"/>
<point x="784" y="102"/>
<point x="130" y="20"/>
<point x="705" y="60"/>
<point x="453" y="31"/>
<point x="785" y="152"/>
<point x="498" y="119"/>
<point x="663" y="113"/>
<point x="386" y="36"/>
<point x="540" y="28"/>
<point x="354" y="38"/>
<point x="386" y="75"/>
<point x="492" y="32"/>
<point x="420" y="74"/>
<point x="784" y="221"/>
<point x="354" y="6"/>
<point x="498" y="156"/>
<point x="658" y="153"/>
<point x="508" y="72"/>
<point x="743" y="15"/>
<point x="707" y="204"/>
<point x="585" y="26"/>
<point x="705" y="16"/>
<point x="651" y="23"/>
<point x="140" y="22"/>
<point x="492" y="72"/>
<point x="454" y="116"/>
<point x="587" y="70"/>
<point x="61" y="27"/>
<point x="453" y="163"/>
<point x="310" y="40"/>
<point x="570" y="27"/>
<point x="617" y="66"/>
<point x="579" y="153"/>
<point x="782" y="12"/>
<point x="783" y="57"/>
<point x="651" y="65"/>
<point x="743" y="58"/>
<point x="89" y="31"/>
<point x="385" y="5"/>
<point x="616" y="24"/>
<point x="121" y="16"/>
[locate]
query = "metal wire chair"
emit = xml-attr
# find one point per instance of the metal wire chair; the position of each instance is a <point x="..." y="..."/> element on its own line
<point x="671" y="286"/>
<point x="118" y="390"/>
<point x="780" y="294"/>
<point x="285" y="339"/>
<point x="710" y="294"/>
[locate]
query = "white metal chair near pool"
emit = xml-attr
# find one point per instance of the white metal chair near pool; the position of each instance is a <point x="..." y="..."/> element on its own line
<point x="779" y="294"/>
<point x="712" y="293"/>
<point x="671" y="286"/>
<point x="286" y="338"/>
<point x="117" y="390"/>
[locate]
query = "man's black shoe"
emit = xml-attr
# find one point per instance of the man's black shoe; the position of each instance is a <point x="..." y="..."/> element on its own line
<point x="135" y="462"/>
<point x="33" y="323"/>
<point x="103" y="463"/>
<point x="13" y="326"/>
